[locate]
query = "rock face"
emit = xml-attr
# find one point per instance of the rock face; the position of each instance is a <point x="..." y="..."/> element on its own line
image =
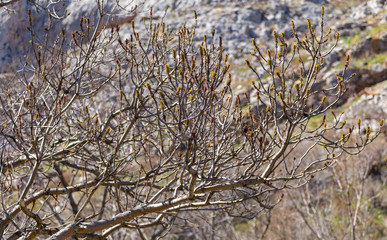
<point x="13" y="32"/>
<point x="237" y="21"/>
<point x="115" y="12"/>
<point x="370" y="106"/>
<point x="14" y="37"/>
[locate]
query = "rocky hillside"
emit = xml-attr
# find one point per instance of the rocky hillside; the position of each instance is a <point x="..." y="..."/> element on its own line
<point x="362" y="25"/>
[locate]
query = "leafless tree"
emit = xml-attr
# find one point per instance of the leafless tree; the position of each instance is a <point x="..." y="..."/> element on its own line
<point x="103" y="136"/>
<point x="348" y="203"/>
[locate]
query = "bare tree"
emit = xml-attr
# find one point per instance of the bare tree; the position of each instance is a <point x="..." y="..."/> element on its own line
<point x="348" y="203"/>
<point x="103" y="136"/>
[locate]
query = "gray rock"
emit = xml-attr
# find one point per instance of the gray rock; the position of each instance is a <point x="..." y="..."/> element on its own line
<point x="369" y="46"/>
<point x="320" y="2"/>
<point x="361" y="48"/>
<point x="368" y="8"/>
<point x="254" y="15"/>
<point x="265" y="34"/>
<point x="370" y="107"/>
<point x="282" y="13"/>
<point x="332" y="58"/>
<point x="14" y="36"/>
<point x="351" y="28"/>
